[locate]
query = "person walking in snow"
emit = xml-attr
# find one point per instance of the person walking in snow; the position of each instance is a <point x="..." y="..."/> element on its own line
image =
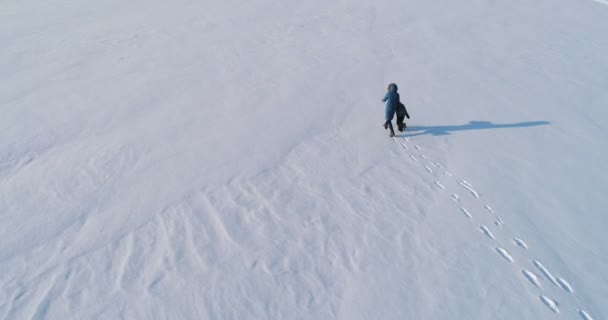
<point x="392" y="104"/>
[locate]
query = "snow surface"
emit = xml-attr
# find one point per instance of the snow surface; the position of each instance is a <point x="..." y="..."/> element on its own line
<point x="225" y="160"/>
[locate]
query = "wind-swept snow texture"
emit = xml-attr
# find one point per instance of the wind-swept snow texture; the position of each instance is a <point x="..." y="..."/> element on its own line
<point x="226" y="160"/>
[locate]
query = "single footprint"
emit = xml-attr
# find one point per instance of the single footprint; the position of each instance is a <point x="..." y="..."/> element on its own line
<point x="489" y="208"/>
<point x="438" y="165"/>
<point x="447" y="173"/>
<point x="466" y="212"/>
<point x="413" y="158"/>
<point x="439" y="185"/>
<point x="455" y="197"/>
<point x="584" y="314"/>
<point x="546" y="272"/>
<point x="549" y="303"/>
<point x="487" y="231"/>
<point x="531" y="277"/>
<point x="469" y="187"/>
<point x="428" y="169"/>
<point x="564" y="284"/>
<point x="423" y="156"/>
<point x="417" y="147"/>
<point x="405" y="146"/>
<point x="520" y="243"/>
<point x="498" y="222"/>
<point x="504" y="253"/>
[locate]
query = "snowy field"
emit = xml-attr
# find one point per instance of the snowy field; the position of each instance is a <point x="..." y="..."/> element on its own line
<point x="226" y="160"/>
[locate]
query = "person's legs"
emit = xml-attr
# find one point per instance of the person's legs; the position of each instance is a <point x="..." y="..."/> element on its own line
<point x="390" y="125"/>
<point x="400" y="123"/>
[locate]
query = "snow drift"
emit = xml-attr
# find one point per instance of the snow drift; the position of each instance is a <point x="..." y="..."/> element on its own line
<point x="199" y="160"/>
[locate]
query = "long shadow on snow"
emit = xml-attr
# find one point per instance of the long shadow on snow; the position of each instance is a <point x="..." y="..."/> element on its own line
<point x="472" y="125"/>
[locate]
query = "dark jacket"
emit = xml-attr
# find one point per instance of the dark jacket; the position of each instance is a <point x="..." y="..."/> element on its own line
<point x="401" y="112"/>
<point x="392" y="102"/>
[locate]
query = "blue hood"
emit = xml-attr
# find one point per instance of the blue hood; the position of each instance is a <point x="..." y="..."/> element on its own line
<point x="392" y="87"/>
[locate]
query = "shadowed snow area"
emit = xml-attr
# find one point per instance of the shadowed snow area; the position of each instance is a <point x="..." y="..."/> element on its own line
<point x="226" y="160"/>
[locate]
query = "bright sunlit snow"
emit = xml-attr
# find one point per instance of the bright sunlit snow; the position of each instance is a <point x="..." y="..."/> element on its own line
<point x="226" y="160"/>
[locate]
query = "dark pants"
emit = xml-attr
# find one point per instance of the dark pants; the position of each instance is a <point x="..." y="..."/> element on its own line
<point x="401" y="114"/>
<point x="389" y="124"/>
<point x="400" y="124"/>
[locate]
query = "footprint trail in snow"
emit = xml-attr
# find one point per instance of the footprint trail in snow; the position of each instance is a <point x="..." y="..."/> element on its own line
<point x="529" y="275"/>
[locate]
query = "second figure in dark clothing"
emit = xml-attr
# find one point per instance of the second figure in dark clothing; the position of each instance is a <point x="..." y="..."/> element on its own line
<point x="401" y="115"/>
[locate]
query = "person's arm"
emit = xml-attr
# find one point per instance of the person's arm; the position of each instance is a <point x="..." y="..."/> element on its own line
<point x="406" y="114"/>
<point x="385" y="98"/>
